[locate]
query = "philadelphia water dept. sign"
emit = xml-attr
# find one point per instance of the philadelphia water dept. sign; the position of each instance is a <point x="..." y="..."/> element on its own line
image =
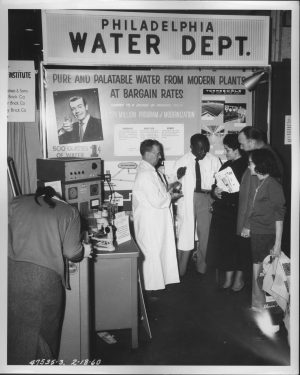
<point x="124" y="38"/>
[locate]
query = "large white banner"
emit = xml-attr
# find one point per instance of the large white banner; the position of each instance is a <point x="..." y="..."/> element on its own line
<point x="126" y="106"/>
<point x="103" y="37"/>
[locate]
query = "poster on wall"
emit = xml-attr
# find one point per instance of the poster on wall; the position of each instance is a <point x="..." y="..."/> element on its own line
<point x="127" y="138"/>
<point x="224" y="111"/>
<point x="21" y="91"/>
<point x="108" y="113"/>
<point x="77" y="114"/>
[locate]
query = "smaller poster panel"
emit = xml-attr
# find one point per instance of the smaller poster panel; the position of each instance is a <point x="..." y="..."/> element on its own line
<point x="223" y="111"/>
<point x="127" y="138"/>
<point x="21" y="91"/>
<point x="76" y="112"/>
<point x="235" y="112"/>
<point x="212" y="109"/>
<point x="287" y="130"/>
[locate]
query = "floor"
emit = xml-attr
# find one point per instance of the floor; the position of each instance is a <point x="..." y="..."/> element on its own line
<point x="194" y="323"/>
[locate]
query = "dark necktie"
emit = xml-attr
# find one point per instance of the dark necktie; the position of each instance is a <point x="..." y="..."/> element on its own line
<point x="81" y="131"/>
<point x="198" y="176"/>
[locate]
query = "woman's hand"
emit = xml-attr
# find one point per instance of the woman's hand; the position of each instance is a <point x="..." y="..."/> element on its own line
<point x="245" y="233"/>
<point x="276" y="250"/>
<point x="218" y="192"/>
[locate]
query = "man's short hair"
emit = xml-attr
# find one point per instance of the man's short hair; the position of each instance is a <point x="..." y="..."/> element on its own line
<point x="148" y="144"/>
<point x="251" y="132"/>
<point x="74" y="98"/>
<point x="200" y="138"/>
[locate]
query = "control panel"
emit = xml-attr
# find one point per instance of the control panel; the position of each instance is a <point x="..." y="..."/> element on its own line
<point x="83" y="193"/>
<point x="68" y="169"/>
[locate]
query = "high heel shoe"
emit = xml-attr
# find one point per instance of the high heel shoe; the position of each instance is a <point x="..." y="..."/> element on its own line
<point x="238" y="289"/>
<point x="223" y="288"/>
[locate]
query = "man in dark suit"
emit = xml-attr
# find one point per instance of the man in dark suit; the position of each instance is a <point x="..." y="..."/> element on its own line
<point x="86" y="129"/>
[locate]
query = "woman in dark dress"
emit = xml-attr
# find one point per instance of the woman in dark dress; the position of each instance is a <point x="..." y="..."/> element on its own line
<point x="223" y="250"/>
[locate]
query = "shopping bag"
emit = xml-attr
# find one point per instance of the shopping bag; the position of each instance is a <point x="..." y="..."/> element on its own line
<point x="266" y="271"/>
<point x="276" y="281"/>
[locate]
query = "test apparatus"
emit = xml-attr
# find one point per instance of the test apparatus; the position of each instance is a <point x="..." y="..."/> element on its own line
<point x="82" y="186"/>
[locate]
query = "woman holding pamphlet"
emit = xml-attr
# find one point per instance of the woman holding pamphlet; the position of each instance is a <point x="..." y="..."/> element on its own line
<point x="223" y="250"/>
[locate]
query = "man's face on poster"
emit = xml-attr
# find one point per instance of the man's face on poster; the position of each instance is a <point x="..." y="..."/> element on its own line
<point x="79" y="109"/>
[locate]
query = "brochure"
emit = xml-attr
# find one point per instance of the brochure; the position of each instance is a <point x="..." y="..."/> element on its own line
<point x="227" y="181"/>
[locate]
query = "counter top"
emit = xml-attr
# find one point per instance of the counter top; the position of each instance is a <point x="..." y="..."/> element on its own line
<point x="126" y="249"/>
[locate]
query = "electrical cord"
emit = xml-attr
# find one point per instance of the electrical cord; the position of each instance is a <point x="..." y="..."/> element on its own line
<point x="111" y="190"/>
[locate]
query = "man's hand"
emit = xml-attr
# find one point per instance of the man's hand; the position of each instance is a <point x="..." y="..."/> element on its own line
<point x="175" y="194"/>
<point x="175" y="187"/>
<point x="67" y="124"/>
<point x="181" y="172"/>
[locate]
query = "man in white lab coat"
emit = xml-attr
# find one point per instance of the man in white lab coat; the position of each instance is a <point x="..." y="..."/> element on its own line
<point x="153" y="221"/>
<point x="194" y="208"/>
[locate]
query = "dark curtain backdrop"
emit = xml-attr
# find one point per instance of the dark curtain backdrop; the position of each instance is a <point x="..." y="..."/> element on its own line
<point x="24" y="146"/>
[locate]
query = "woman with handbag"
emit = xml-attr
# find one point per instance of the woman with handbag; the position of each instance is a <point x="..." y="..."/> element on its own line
<point x="266" y="216"/>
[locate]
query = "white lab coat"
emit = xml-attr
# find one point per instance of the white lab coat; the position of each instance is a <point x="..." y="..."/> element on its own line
<point x="153" y="226"/>
<point x="186" y="233"/>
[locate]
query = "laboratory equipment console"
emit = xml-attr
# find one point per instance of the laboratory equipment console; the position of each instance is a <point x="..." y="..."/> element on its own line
<point x="103" y="293"/>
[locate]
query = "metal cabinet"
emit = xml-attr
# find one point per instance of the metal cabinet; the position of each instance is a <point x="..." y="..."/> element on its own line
<point x="115" y="290"/>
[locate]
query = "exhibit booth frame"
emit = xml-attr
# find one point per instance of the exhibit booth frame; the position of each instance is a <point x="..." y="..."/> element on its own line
<point x="70" y="74"/>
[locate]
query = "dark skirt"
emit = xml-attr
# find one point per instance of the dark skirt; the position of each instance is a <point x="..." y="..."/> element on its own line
<point x="222" y="248"/>
<point x="261" y="244"/>
<point x="225" y="250"/>
<point x="35" y="312"/>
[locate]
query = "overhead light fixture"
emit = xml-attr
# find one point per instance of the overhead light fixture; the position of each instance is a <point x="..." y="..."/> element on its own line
<point x="29" y="29"/>
<point x="251" y="82"/>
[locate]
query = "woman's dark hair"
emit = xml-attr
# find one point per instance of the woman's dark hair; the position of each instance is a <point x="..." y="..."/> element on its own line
<point x="148" y="144"/>
<point x="265" y="162"/>
<point x="200" y="138"/>
<point x="48" y="192"/>
<point x="231" y="140"/>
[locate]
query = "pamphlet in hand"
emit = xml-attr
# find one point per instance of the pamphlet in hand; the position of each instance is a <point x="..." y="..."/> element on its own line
<point x="227" y="181"/>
